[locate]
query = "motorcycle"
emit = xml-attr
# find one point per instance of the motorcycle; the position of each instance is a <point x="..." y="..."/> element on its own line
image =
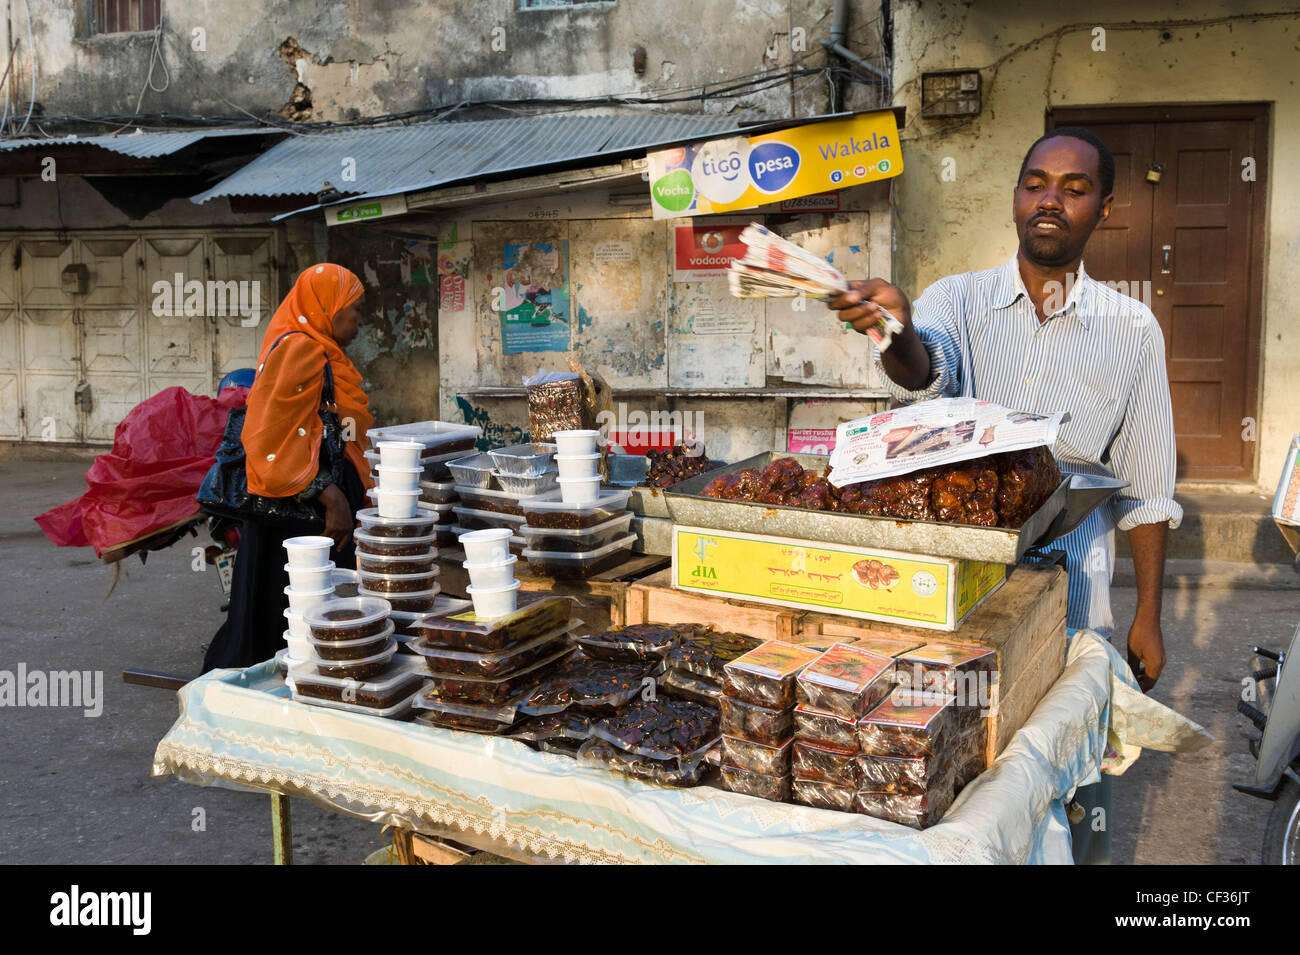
<point x="1277" y="749"/>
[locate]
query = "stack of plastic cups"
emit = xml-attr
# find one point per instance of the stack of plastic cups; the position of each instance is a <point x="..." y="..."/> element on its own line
<point x="579" y="464"/>
<point x="310" y="585"/>
<point x="399" y="473"/>
<point x="491" y="566"/>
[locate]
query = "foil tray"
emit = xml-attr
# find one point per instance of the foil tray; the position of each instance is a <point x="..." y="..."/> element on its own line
<point x="1000" y="545"/>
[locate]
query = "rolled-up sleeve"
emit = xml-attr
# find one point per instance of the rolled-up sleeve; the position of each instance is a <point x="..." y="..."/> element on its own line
<point x="1143" y="451"/>
<point x="934" y="316"/>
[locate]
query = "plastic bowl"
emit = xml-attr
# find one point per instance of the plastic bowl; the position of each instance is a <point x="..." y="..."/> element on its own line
<point x="575" y="442"/>
<point x="344" y="582"/>
<point x="297" y="625"/>
<point x="304" y="601"/>
<point x="583" y="491"/>
<point x="495" y="601"/>
<point x="400" y="454"/>
<point x="493" y="575"/>
<point x="486" y="546"/>
<point x="397" y="504"/>
<point x="351" y="618"/>
<point x="305" y="579"/>
<point x="308" y="551"/>
<point x="578" y="465"/>
<point x="399" y="479"/>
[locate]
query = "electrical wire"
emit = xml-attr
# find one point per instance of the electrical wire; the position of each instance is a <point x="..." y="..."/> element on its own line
<point x="31" y="55"/>
<point x="155" y="57"/>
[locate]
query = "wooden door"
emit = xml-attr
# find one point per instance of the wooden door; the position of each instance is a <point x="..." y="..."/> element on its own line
<point x="1197" y="237"/>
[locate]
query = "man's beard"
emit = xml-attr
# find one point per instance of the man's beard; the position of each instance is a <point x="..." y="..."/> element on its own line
<point x="1048" y="250"/>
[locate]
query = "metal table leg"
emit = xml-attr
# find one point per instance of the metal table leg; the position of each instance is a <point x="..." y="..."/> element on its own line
<point x="281" y="829"/>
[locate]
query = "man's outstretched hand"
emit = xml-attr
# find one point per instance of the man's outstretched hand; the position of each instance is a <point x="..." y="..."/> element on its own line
<point x="1146" y="652"/>
<point x="858" y="306"/>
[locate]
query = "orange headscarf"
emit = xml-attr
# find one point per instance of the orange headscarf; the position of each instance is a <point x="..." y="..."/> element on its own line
<point x="282" y="429"/>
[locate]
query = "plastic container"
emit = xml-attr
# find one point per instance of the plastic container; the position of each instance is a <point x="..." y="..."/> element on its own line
<point x="443" y="514"/>
<point x="578" y="465"/>
<point x="737" y="779"/>
<point x="435" y="466"/>
<point x="419" y="602"/>
<point x="527" y="486"/>
<point x="583" y="491"/>
<point x="398" y="504"/>
<point x="485" y="546"/>
<point x="757" y="757"/>
<point x="948" y="668"/>
<point x="491" y="665"/>
<point x="575" y="442"/>
<point x="379" y="695"/>
<point x="297" y="624"/>
<point x="472" y="471"/>
<point x="400" y="454"/>
<point x="846" y="681"/>
<point x="459" y="688"/>
<point x="344" y="582"/>
<point x="485" y="499"/>
<point x="661" y="728"/>
<point x="491" y="719"/>
<point x="537" y="614"/>
<point x="549" y="510"/>
<point x="388" y="546"/>
<point x="438" y="492"/>
<point x="308" y="551"/>
<point x="579" y="565"/>
<point x="305" y="600"/>
<point x="516" y="543"/>
<point x="592" y="686"/>
<point x="637" y="643"/>
<point x="577" y="539"/>
<point x="351" y="618"/>
<point x="361" y="668"/>
<point x="444" y="535"/>
<point x="375" y="564"/>
<point x="827" y="763"/>
<point x="826" y="729"/>
<point x="524" y="460"/>
<point x="904" y="775"/>
<point x="362" y="649"/>
<point x="406" y="622"/>
<point x="305" y="579"/>
<point x="399" y="479"/>
<point x="378" y="525"/>
<point x="765" y="675"/>
<point x="299" y="648"/>
<point x="823" y="795"/>
<point x="436" y="437"/>
<point x="571" y="726"/>
<point x="471" y="519"/>
<point x="759" y="724"/>
<point x="492" y="574"/>
<point x="907" y="724"/>
<point x="705" y="652"/>
<point x="492" y="602"/>
<point x="688" y="686"/>
<point x="627" y="470"/>
<point x="387" y="584"/>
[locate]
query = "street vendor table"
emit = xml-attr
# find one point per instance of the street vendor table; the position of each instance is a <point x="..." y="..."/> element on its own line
<point x="240" y="730"/>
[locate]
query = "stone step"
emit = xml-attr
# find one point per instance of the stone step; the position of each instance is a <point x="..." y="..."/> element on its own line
<point x="1185" y="574"/>
<point x="1223" y="526"/>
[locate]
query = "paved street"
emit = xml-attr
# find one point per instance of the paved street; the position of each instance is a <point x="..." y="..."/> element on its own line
<point x="78" y="789"/>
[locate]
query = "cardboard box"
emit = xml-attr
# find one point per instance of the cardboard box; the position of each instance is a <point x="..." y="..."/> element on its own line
<point x="936" y="593"/>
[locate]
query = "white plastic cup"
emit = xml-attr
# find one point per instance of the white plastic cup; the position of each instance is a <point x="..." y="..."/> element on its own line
<point x="575" y="442"/>
<point x="400" y="454"/>
<point x="398" y="504"/>
<point x="578" y="465"/>
<point x="488" y="546"/>
<point x="306" y="579"/>
<point x="583" y="491"/>
<point x="303" y="601"/>
<point x="496" y="601"/>
<point x="297" y="626"/>
<point x="399" y="479"/>
<point x="308" y="551"/>
<point x="494" y="575"/>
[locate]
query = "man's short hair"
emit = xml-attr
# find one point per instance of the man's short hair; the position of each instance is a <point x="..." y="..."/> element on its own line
<point x="1105" y="161"/>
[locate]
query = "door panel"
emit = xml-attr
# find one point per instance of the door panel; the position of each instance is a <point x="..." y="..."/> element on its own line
<point x="50" y="406"/>
<point x="43" y="262"/>
<point x="114" y="272"/>
<point x="242" y="258"/>
<point x="175" y="344"/>
<point x="112" y="396"/>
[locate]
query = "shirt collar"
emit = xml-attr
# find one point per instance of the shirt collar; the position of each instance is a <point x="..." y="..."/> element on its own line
<point x="1009" y="286"/>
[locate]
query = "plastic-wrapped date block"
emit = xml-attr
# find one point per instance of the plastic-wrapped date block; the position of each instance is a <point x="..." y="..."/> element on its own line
<point x="661" y="728"/>
<point x="963" y="672"/>
<point x="457" y="688"/>
<point x="665" y="772"/>
<point x="826" y="729"/>
<point x="918" y="810"/>
<point x="571" y="725"/>
<point x="822" y="795"/>
<point x="707" y="651"/>
<point x="537" y="615"/>
<point x="737" y="779"/>
<point x="635" y="643"/>
<point x="846" y="681"/>
<point x="765" y="675"/>
<point x="824" y="763"/>
<point x="594" y="686"/>
<point x="760" y="724"/>
<point x="490" y="665"/>
<point x="490" y="719"/>
<point x="907" y="724"/>
<point x="902" y="775"/>
<point x="688" y="686"/>
<point x="756" y="757"/>
<point x="967" y="749"/>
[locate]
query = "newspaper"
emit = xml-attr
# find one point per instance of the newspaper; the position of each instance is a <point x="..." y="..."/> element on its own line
<point x="1286" y="502"/>
<point x="774" y="267"/>
<point x="931" y="433"/>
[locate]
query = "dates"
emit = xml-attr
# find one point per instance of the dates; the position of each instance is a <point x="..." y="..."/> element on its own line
<point x="455" y="688"/>
<point x="765" y="675"/>
<point x="349" y="650"/>
<point x="907" y="724"/>
<point x="675" y="464"/>
<point x="665" y="772"/>
<point x="737" y="779"/>
<point x="537" y="615"/>
<point x="759" y="724"/>
<point x="660" y="728"/>
<point x="594" y="686"/>
<point x="826" y="729"/>
<point x="902" y="775"/>
<point x="846" y="681"/>
<point x="379" y="700"/>
<point x="705" y="652"/>
<point x="490" y="665"/>
<point x="756" y="757"/>
<point x="919" y="810"/>
<point x="576" y="568"/>
<point x="399" y="583"/>
<point x="635" y="643"/>
<point x="822" y="795"/>
<point x="688" y="686"/>
<point x="570" y="725"/>
<point x="369" y="629"/>
<point x="383" y="565"/>
<point x="410" y="603"/>
<point x="838" y="766"/>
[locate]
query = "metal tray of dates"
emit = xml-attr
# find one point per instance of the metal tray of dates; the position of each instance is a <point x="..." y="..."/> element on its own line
<point x="999" y="545"/>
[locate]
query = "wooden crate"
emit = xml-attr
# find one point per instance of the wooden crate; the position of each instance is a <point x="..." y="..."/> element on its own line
<point x="1023" y="622"/>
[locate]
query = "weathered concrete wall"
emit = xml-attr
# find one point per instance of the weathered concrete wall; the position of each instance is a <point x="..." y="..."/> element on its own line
<point x="344" y="59"/>
<point x="1031" y="60"/>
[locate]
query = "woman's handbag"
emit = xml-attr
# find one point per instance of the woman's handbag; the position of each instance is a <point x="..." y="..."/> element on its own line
<point x="224" y="492"/>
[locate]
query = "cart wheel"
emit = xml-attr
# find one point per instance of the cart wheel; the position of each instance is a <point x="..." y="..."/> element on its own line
<point x="1282" y="833"/>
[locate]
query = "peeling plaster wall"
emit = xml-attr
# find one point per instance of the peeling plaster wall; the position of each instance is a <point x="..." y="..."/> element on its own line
<point x="343" y="59"/>
<point x="946" y="227"/>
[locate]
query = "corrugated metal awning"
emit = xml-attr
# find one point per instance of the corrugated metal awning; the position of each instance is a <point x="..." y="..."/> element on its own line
<point x="390" y="160"/>
<point x="140" y="145"/>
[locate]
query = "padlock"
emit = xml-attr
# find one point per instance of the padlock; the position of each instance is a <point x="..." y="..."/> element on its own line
<point x="1154" y="173"/>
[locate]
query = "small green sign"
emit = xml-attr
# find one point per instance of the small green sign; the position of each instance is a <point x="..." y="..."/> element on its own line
<point x="674" y="191"/>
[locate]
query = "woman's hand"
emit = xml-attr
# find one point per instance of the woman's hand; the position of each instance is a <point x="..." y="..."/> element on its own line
<point x="339" y="523"/>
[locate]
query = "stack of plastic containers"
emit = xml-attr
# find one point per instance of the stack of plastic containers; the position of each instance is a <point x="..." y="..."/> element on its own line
<point x="491" y="567"/>
<point x="440" y="442"/>
<point x="311" y="583"/>
<point x="569" y="541"/>
<point x="490" y="486"/>
<point x="579" y="466"/>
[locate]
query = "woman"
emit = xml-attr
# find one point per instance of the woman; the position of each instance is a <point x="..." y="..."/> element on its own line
<point x="286" y="457"/>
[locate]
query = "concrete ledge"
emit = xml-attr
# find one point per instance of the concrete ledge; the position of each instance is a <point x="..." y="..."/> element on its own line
<point x="1223" y="527"/>
<point x="1184" y="574"/>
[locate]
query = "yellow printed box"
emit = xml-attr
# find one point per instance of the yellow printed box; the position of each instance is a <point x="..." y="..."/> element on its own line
<point x="933" y="592"/>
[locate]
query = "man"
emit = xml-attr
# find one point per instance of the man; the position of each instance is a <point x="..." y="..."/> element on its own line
<point x="1037" y="334"/>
